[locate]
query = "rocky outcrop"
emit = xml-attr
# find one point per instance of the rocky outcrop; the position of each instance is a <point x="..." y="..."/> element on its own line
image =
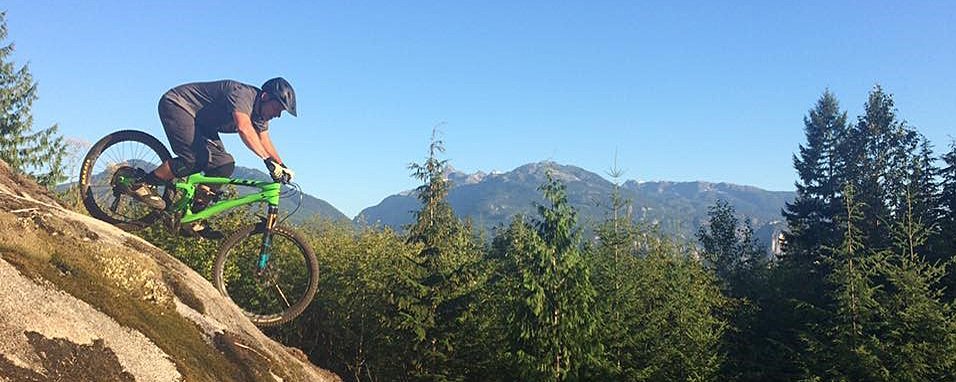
<point x="81" y="300"/>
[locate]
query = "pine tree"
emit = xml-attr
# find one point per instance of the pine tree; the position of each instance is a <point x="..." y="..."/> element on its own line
<point x="944" y="242"/>
<point x="850" y="353"/>
<point x="920" y="201"/>
<point x="919" y="339"/>
<point x="40" y="154"/>
<point x="889" y="321"/>
<point x="676" y="330"/>
<point x="445" y="276"/>
<point x="729" y="247"/>
<point x="740" y="265"/>
<point x="878" y="148"/>
<point x="800" y="287"/>
<point x="810" y="218"/>
<point x="615" y="269"/>
<point x="825" y="162"/>
<point x="352" y="327"/>
<point x="550" y="320"/>
<point x="650" y="292"/>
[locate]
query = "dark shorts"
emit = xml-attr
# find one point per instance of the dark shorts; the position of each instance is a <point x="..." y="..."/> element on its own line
<point x="195" y="149"/>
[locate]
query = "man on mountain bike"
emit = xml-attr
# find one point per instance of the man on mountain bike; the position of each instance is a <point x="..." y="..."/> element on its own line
<point x="194" y="114"/>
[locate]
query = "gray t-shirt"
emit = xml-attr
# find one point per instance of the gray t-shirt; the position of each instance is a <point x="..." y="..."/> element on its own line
<point x="212" y="104"/>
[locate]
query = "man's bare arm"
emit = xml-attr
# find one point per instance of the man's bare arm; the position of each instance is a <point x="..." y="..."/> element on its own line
<point x="267" y="144"/>
<point x="248" y="134"/>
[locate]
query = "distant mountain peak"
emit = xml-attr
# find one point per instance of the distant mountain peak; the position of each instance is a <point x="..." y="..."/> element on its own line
<point x="460" y="178"/>
<point x="540" y="170"/>
<point x="493" y="199"/>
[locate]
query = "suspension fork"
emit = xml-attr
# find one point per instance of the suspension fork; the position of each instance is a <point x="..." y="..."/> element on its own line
<point x="265" y="250"/>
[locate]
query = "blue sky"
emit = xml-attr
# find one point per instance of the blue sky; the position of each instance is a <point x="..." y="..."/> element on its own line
<point x="681" y="91"/>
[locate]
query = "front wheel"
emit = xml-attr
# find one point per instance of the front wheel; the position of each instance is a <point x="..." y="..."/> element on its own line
<point x="281" y="290"/>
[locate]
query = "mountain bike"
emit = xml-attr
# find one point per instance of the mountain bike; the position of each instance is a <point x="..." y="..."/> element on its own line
<point x="268" y="269"/>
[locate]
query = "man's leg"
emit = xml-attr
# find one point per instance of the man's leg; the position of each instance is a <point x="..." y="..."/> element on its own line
<point x="180" y="128"/>
<point x="220" y="164"/>
<point x="188" y="145"/>
<point x="164" y="172"/>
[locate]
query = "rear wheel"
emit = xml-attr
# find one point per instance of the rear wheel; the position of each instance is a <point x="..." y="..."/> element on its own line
<point x="113" y="161"/>
<point x="276" y="294"/>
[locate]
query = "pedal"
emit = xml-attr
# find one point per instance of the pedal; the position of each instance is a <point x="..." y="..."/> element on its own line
<point x="200" y="229"/>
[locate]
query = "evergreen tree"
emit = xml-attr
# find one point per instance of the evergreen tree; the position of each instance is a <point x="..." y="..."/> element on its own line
<point x="651" y="293"/>
<point x="920" y="191"/>
<point x="919" y="339"/>
<point x="823" y="164"/>
<point x="878" y="149"/>
<point x="740" y="265"/>
<point x="844" y="329"/>
<point x="550" y="319"/>
<point x="352" y="327"/>
<point x="800" y="287"/>
<point x="851" y="351"/>
<point x="810" y="218"/>
<point x="616" y="268"/>
<point x="40" y="154"/>
<point x="729" y="247"/>
<point x="889" y="321"/>
<point x="676" y="326"/>
<point x="944" y="242"/>
<point x="444" y="276"/>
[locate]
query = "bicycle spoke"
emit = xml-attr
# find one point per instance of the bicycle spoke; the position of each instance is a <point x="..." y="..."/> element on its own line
<point x="128" y="154"/>
<point x="284" y="299"/>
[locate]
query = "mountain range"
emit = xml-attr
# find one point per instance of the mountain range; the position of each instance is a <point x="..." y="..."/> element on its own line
<point x="490" y="200"/>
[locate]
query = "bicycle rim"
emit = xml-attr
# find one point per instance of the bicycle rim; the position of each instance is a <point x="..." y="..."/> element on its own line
<point x="107" y="161"/>
<point x="276" y="295"/>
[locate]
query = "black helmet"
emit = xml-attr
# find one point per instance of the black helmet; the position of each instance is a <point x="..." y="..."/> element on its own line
<point x="280" y="89"/>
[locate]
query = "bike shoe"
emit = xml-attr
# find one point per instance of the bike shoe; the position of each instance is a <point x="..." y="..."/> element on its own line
<point x="146" y="194"/>
<point x="203" y="230"/>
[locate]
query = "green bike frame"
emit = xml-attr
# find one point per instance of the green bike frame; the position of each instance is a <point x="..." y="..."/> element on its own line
<point x="269" y="193"/>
